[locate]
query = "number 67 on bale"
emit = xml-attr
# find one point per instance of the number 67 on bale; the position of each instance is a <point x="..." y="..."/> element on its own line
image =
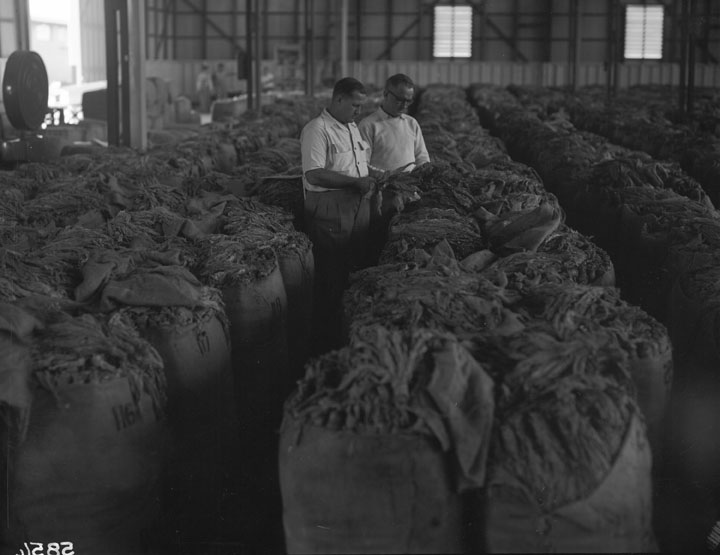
<point x="53" y="548"/>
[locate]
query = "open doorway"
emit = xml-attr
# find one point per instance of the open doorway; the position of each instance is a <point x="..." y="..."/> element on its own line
<point x="55" y="36"/>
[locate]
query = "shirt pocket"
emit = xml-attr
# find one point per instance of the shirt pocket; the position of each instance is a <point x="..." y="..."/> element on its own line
<point x="342" y="158"/>
<point x="363" y="151"/>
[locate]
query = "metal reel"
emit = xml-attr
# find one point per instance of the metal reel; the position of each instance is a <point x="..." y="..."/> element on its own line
<point x="25" y="90"/>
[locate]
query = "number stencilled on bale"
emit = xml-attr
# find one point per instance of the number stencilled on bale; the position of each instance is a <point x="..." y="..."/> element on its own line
<point x="126" y="415"/>
<point x="277" y="309"/>
<point x="98" y="400"/>
<point x="203" y="342"/>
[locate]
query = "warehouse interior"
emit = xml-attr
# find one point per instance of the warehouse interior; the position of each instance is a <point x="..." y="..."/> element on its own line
<point x="511" y="346"/>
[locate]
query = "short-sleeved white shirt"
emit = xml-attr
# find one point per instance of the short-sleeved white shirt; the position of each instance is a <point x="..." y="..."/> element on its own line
<point x="394" y="140"/>
<point x="326" y="143"/>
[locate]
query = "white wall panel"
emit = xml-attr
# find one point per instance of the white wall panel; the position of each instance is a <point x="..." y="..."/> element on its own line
<point x="92" y="40"/>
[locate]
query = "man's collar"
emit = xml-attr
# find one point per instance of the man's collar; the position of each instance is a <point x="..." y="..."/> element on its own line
<point x="326" y="113"/>
<point x="390" y="115"/>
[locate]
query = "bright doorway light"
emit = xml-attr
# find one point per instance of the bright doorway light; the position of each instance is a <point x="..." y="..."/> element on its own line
<point x="452" y="37"/>
<point x="643" y="32"/>
<point x="55" y="36"/>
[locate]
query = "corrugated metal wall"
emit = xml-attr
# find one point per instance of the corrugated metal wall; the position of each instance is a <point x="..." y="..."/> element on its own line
<point x="182" y="74"/>
<point x="540" y="74"/>
<point x="516" y="41"/>
<point x="504" y="30"/>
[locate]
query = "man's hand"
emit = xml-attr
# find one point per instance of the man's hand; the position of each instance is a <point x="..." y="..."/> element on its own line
<point x="392" y="204"/>
<point x="397" y="204"/>
<point x="365" y="185"/>
<point x="376" y="173"/>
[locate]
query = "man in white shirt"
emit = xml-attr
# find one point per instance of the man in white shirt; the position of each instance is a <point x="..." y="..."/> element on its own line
<point x="396" y="143"/>
<point x="337" y="188"/>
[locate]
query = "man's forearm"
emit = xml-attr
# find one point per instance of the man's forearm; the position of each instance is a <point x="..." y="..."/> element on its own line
<point x="331" y="180"/>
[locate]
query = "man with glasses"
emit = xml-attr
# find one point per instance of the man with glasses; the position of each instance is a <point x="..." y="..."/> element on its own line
<point x="396" y="144"/>
<point x="395" y="138"/>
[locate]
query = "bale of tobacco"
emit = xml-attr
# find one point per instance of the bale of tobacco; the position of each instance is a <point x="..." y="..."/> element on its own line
<point x="50" y="266"/>
<point x="99" y="396"/>
<point x="439" y="185"/>
<point x="569" y="308"/>
<point x="519" y="222"/>
<point x="638" y="169"/>
<point x="249" y="277"/>
<point x="284" y="191"/>
<point x="409" y="405"/>
<point x="425" y="228"/>
<point x="570" y="462"/>
<point x="593" y="263"/>
<point x="505" y="177"/>
<point x="430" y="295"/>
<point x="693" y="315"/>
<point x="523" y="270"/>
<point x="293" y="250"/>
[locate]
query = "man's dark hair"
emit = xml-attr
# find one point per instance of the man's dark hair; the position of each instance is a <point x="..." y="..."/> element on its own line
<point x="347" y="86"/>
<point x="399" y="79"/>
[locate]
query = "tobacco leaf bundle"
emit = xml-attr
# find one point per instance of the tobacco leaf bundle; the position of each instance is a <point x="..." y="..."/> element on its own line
<point x="524" y="270"/>
<point x="425" y="228"/>
<point x="399" y="296"/>
<point x="90" y="349"/>
<point x="563" y="410"/>
<point x="225" y="260"/>
<point x="573" y="308"/>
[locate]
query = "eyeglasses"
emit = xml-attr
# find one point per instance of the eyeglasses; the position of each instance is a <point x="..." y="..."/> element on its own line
<point x="400" y="99"/>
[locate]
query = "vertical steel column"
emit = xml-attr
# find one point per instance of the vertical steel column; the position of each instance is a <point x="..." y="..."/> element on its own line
<point x="309" y="48"/>
<point x="578" y="43"/>
<point x="22" y="25"/>
<point x="124" y="73"/>
<point x="572" y="43"/>
<point x="670" y="43"/>
<point x="683" y="52"/>
<point x="258" y="55"/>
<point x="203" y="45"/>
<point x="358" y="30"/>
<point x="265" y="30"/>
<point x="147" y="34"/>
<point x="389" y="27"/>
<point x="233" y="26"/>
<point x="611" y="50"/>
<point x="548" y="31"/>
<point x="137" y="82"/>
<point x="516" y="29"/>
<point x="174" y="30"/>
<point x="119" y="83"/>
<point x="706" y="18"/>
<point x="111" y="64"/>
<point x="692" y="49"/>
<point x="249" y="54"/>
<point x="344" y="38"/>
<point x="483" y="30"/>
<point x="619" y="51"/>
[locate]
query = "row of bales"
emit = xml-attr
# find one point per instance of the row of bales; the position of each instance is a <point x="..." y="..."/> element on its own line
<point x="640" y="178"/>
<point x="494" y="391"/>
<point x="154" y="311"/>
